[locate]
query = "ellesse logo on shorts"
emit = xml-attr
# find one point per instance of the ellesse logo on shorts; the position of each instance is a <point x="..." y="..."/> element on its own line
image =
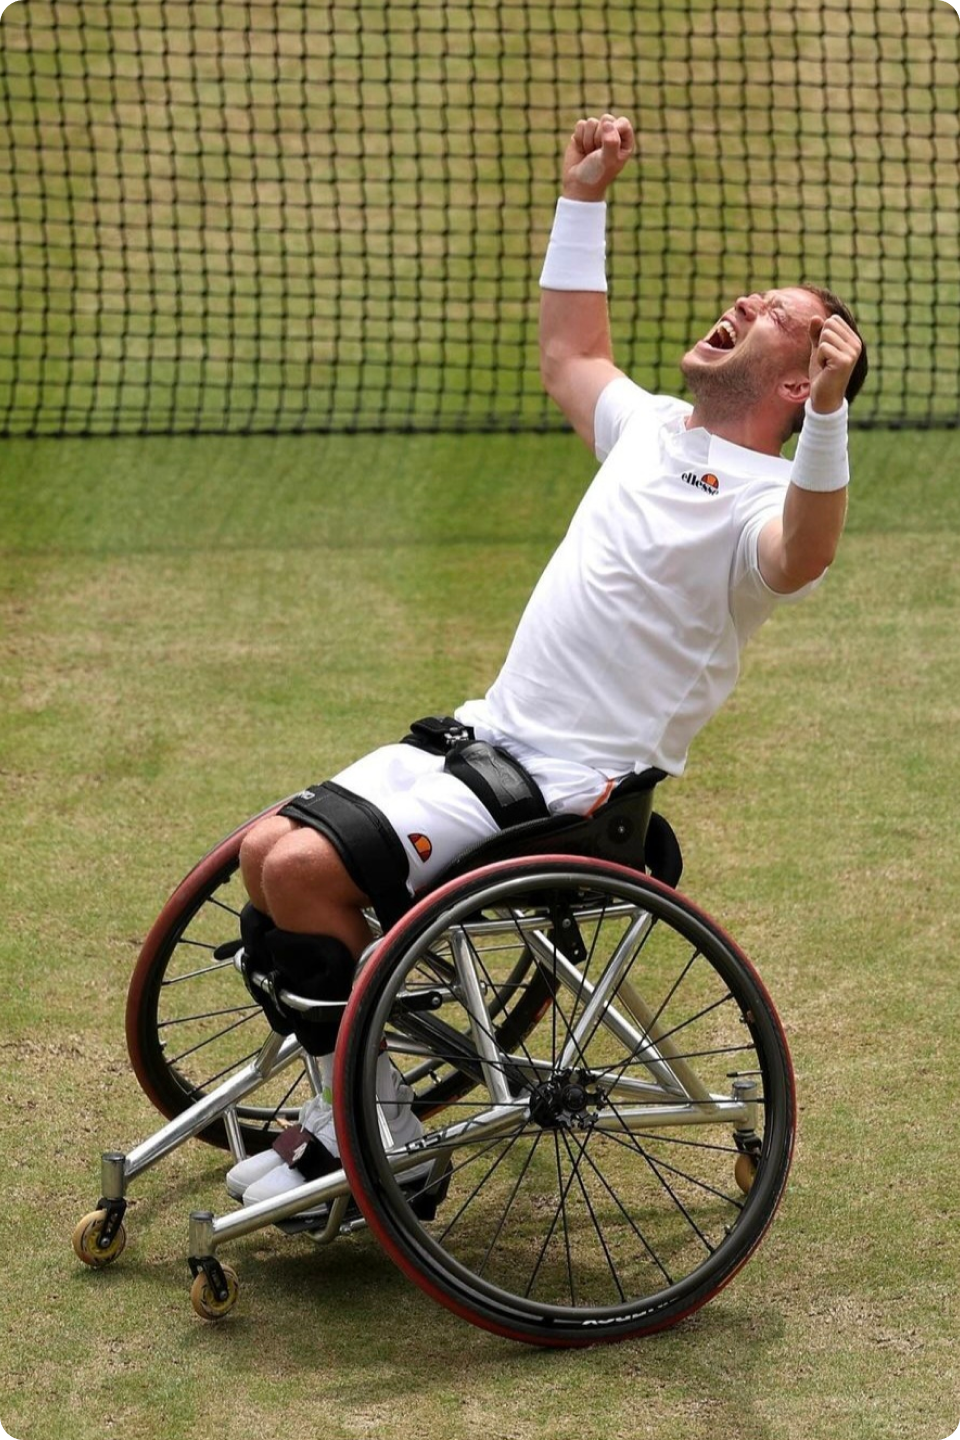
<point x="708" y="483"/>
<point x="422" y="846"/>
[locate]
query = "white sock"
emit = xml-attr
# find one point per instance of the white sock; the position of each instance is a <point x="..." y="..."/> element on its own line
<point x="326" y="1070"/>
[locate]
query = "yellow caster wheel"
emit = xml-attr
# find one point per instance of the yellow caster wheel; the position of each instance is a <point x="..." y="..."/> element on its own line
<point x="205" y="1302"/>
<point x="85" y="1238"/>
<point x="744" y="1171"/>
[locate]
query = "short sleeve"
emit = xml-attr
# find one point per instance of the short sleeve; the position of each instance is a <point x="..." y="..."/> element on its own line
<point x="751" y="599"/>
<point x="618" y="403"/>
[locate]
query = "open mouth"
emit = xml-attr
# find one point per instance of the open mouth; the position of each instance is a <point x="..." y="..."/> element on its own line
<point x="722" y="336"/>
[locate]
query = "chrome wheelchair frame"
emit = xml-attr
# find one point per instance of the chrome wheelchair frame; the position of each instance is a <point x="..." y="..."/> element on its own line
<point x="604" y="1088"/>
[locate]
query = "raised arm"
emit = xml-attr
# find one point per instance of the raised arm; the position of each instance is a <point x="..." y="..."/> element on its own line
<point x="576" y="354"/>
<point x="797" y="549"/>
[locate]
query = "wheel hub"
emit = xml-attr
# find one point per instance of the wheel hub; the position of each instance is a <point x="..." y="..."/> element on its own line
<point x="560" y="1101"/>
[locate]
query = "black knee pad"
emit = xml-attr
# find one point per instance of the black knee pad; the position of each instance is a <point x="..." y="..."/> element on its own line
<point x="318" y="967"/>
<point x="255" y="927"/>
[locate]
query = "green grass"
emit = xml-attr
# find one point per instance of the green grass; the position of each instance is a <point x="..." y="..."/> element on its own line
<point x="191" y="629"/>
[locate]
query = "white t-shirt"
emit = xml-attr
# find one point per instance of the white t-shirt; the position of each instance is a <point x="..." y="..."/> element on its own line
<point x="631" y="639"/>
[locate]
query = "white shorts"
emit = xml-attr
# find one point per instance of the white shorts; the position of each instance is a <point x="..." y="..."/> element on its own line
<point x="437" y="818"/>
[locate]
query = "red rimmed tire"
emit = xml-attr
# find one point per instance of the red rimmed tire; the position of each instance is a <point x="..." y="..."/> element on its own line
<point x="585" y="1188"/>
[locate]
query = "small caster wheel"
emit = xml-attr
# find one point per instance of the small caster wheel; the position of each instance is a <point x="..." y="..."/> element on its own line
<point x="745" y="1170"/>
<point x="85" y="1238"/>
<point x="205" y="1302"/>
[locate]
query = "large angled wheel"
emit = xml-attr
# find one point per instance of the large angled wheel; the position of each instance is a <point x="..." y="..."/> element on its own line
<point x="191" y="1023"/>
<point x="589" y="1185"/>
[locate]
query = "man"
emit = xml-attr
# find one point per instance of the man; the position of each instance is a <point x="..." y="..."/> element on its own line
<point x="691" y="534"/>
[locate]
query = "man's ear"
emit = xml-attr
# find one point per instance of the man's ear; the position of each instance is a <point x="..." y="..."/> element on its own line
<point x="795" y="388"/>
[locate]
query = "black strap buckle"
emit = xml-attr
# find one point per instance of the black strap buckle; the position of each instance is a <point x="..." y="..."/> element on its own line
<point x="437" y="734"/>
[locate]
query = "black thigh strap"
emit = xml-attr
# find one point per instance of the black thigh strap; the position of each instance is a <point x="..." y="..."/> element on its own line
<point x="364" y="839"/>
<point x="499" y="782"/>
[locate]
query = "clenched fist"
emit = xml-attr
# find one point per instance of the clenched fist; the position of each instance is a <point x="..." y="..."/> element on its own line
<point x="836" y="349"/>
<point x="597" y="152"/>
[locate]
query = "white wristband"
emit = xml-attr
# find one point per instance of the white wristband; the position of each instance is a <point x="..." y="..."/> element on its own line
<point x="821" y="461"/>
<point x="576" y="254"/>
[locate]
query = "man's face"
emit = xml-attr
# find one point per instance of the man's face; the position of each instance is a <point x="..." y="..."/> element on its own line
<point x="760" y="342"/>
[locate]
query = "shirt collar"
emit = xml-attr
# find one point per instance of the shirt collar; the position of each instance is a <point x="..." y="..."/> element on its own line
<point x="724" y="454"/>
<point x="728" y="456"/>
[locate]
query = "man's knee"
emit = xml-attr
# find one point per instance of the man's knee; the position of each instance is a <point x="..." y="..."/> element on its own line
<point x="258" y="842"/>
<point x="305" y="862"/>
<point x="317" y="967"/>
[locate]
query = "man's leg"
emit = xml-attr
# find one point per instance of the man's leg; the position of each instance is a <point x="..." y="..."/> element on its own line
<point x="294" y="875"/>
<point x="305" y="924"/>
<point x="303" y="909"/>
<point x="378" y="832"/>
<point x="304" y="928"/>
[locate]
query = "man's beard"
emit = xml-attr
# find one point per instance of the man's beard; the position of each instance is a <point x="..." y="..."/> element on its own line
<point x="725" y="391"/>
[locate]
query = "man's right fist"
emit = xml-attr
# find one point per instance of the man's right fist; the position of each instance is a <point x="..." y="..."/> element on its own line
<point x="597" y="152"/>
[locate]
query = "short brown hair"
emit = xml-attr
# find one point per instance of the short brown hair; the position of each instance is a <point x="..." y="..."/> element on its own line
<point x="835" y="306"/>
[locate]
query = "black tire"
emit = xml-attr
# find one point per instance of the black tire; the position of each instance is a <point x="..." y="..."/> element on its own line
<point x="596" y="1198"/>
<point x="191" y="1023"/>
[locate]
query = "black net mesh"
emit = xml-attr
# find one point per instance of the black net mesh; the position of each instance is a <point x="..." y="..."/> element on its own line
<point x="288" y="215"/>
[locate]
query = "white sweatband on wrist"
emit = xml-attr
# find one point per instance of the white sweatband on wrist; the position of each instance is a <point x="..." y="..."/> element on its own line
<point x="821" y="461"/>
<point x="576" y="254"/>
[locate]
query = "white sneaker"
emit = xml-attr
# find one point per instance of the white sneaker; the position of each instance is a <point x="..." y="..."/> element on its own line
<point x="274" y="1184"/>
<point x="269" y="1177"/>
<point x="315" y="1114"/>
<point x="247" y="1172"/>
<point x="396" y="1102"/>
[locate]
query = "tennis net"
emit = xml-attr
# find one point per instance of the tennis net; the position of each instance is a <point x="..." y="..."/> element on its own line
<point x="291" y="215"/>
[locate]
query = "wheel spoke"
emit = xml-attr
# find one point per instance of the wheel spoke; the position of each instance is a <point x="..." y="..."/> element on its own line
<point x="657" y="1167"/>
<point x="628" y="1218"/>
<point x="508" y="1141"/>
<point x="558" y="1211"/>
<point x="569" y="1139"/>
<point x="249" y="1012"/>
<point x="727" y="1198"/>
<point x="177" y="1060"/>
<point x="566" y="1228"/>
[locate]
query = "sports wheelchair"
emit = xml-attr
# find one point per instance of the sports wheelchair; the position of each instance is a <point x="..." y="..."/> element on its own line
<point x="604" y="1088"/>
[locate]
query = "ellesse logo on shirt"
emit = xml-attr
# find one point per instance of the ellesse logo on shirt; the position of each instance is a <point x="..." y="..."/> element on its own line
<point x="708" y="483"/>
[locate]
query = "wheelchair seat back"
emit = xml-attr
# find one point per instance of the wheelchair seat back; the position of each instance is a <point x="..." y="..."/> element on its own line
<point x="624" y="829"/>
